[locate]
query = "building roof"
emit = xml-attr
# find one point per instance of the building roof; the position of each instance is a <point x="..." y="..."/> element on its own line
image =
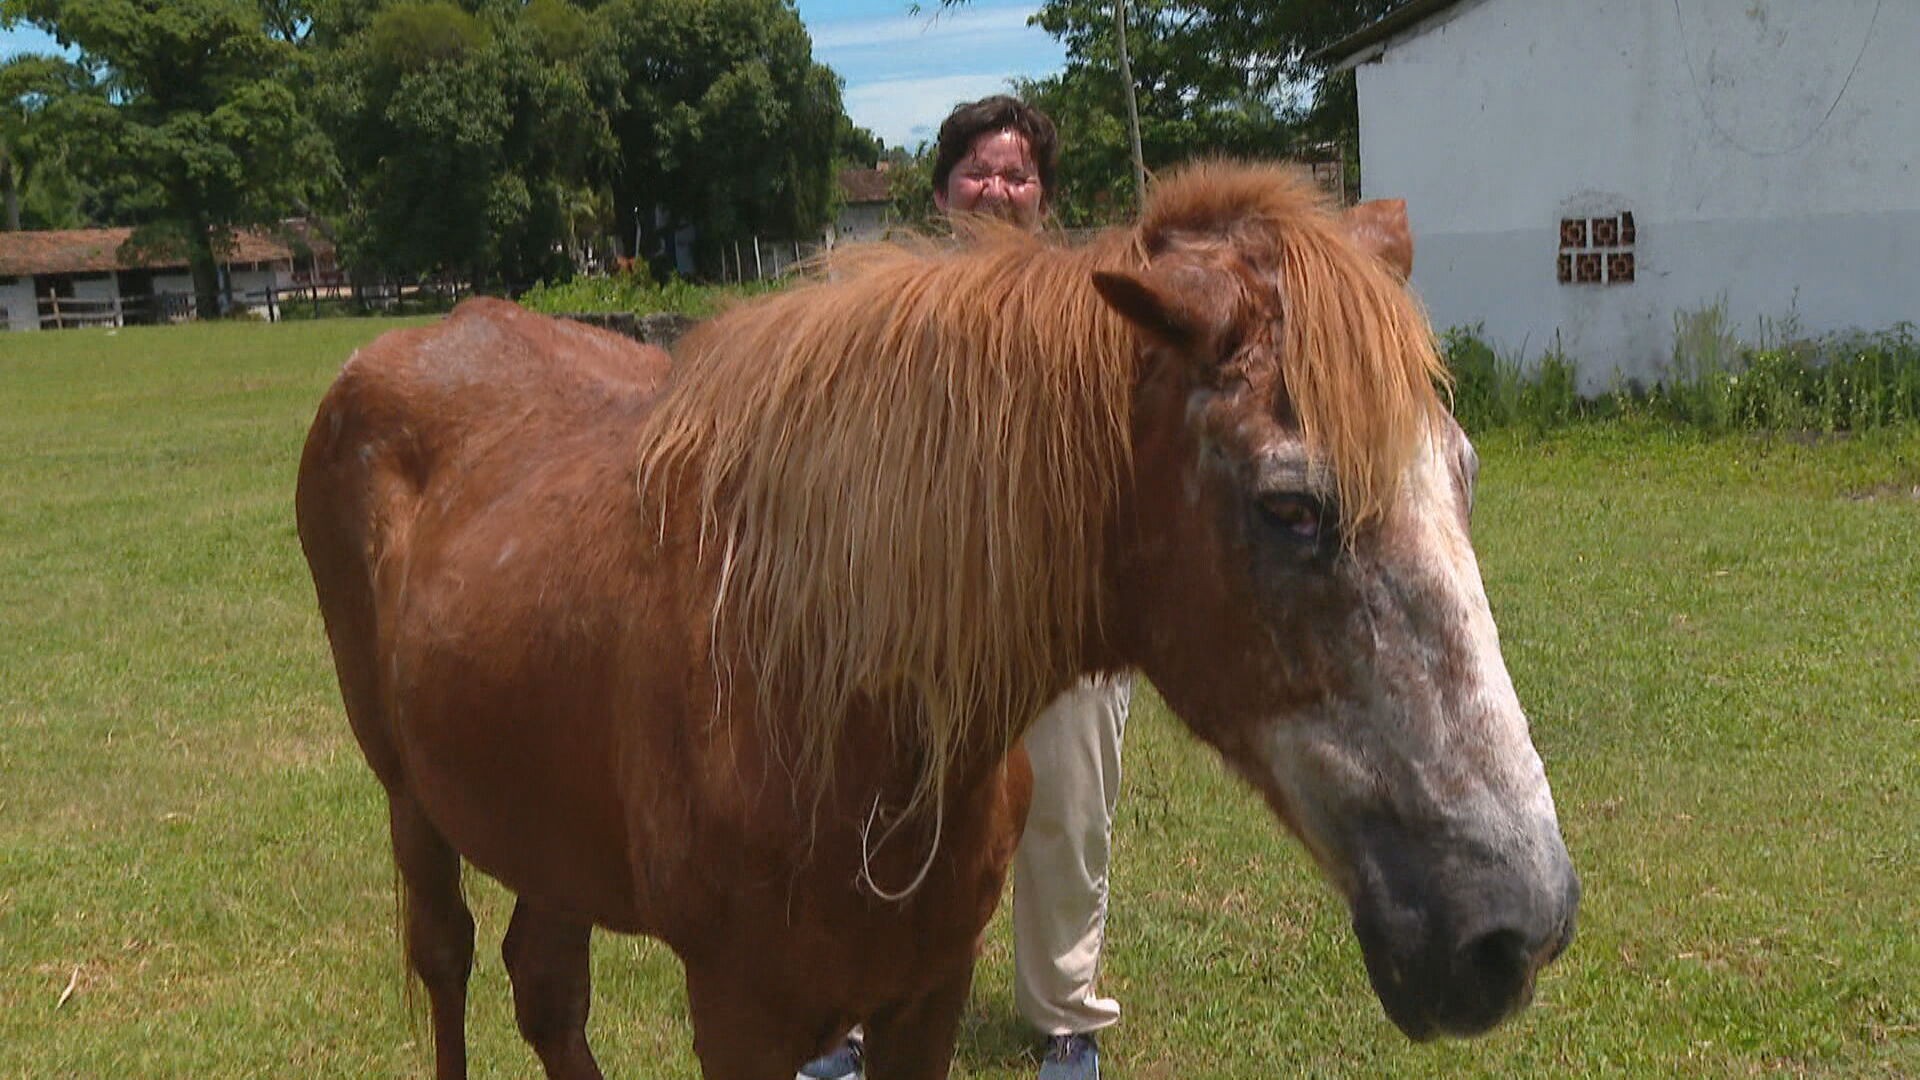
<point x="85" y="251"/>
<point x="1348" y="50"/>
<point x="865" y="186"/>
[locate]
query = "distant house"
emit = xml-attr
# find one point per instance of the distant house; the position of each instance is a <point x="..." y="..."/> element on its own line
<point x="57" y="278"/>
<point x="866" y="206"/>
<point x="1586" y="171"/>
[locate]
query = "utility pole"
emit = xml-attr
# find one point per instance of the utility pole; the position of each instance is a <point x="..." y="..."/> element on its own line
<point x="1133" y="107"/>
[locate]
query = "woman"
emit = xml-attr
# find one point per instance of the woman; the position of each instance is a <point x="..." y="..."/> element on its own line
<point x="996" y="157"/>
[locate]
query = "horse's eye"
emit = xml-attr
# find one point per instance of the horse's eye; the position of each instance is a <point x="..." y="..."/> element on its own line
<point x="1295" y="514"/>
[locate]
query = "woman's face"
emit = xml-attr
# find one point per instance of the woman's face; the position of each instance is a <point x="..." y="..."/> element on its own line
<point x="997" y="177"/>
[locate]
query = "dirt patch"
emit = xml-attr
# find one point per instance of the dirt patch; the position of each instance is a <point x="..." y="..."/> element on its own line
<point x="1900" y="492"/>
<point x="1811" y="438"/>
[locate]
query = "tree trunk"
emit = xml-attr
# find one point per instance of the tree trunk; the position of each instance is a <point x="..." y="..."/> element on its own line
<point x="10" y="180"/>
<point x="206" y="272"/>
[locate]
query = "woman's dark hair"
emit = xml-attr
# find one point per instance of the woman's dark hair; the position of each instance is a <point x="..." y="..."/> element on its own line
<point x="997" y="113"/>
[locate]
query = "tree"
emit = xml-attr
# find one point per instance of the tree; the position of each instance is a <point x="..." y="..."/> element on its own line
<point x="467" y="138"/>
<point x="1190" y="104"/>
<point x="910" y="186"/>
<point x="855" y="146"/>
<point x="1229" y="77"/>
<point x="199" y="131"/>
<point x="723" y="120"/>
<point x="36" y="95"/>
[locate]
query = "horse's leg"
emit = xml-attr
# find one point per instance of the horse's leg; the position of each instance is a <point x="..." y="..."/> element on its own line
<point x="439" y="928"/>
<point x="547" y="960"/>
<point x="914" y="1040"/>
<point x="738" y="1037"/>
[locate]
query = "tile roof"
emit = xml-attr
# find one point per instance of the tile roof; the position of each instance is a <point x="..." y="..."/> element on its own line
<point x="864" y="185"/>
<point x="1405" y="17"/>
<point x="82" y="251"/>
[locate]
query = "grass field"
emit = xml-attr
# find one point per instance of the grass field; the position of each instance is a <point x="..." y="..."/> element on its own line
<point x="1718" y="641"/>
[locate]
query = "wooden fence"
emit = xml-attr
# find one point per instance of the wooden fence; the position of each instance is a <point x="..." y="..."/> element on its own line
<point x="74" y="312"/>
<point x="273" y="302"/>
<point x="764" y="260"/>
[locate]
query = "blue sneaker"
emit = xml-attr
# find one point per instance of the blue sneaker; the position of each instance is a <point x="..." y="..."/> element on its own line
<point x="1071" y="1057"/>
<point x="842" y="1064"/>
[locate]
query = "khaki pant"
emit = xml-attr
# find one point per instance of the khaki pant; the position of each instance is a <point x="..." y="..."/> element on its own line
<point x="1060" y="870"/>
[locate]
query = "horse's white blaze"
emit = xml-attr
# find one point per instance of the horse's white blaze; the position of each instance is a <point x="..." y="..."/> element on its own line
<point x="1436" y="736"/>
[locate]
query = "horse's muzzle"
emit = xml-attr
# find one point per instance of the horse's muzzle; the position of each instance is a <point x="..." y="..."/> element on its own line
<point x="1454" y="951"/>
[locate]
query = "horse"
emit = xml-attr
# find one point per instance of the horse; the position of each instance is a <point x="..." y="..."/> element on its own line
<point x="735" y="648"/>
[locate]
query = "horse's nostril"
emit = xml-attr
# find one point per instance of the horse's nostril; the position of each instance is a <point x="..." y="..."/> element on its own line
<point x="1499" y="963"/>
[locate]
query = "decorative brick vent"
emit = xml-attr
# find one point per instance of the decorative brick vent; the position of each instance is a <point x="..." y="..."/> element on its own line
<point x="1597" y="250"/>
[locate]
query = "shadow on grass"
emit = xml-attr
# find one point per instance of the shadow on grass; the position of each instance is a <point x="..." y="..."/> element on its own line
<point x="995" y="1037"/>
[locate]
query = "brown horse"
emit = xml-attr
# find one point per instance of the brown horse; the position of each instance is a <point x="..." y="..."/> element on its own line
<point x="742" y="663"/>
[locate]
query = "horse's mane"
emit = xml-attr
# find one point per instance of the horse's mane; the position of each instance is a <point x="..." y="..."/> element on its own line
<point x="1358" y="367"/>
<point x="908" y="466"/>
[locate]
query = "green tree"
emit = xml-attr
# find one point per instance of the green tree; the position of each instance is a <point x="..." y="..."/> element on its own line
<point x="910" y="186"/>
<point x="1232" y="77"/>
<point x="467" y="137"/>
<point x="38" y="95"/>
<point x="723" y="119"/>
<point x="856" y="146"/>
<point x="201" y="128"/>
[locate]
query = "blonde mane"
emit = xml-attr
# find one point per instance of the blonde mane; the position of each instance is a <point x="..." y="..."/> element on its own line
<point x="908" y="466"/>
<point x="1358" y="364"/>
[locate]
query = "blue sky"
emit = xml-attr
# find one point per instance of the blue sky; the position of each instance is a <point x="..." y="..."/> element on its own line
<point x="904" y="72"/>
<point x="24" y="38"/>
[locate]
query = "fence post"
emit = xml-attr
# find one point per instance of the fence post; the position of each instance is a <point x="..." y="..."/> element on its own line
<point x="119" y="317"/>
<point x="56" y="311"/>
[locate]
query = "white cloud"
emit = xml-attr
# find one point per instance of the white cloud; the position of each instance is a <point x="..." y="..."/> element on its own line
<point x="906" y="112"/>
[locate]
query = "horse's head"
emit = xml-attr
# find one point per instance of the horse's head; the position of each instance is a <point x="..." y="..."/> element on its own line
<point x="1299" y="582"/>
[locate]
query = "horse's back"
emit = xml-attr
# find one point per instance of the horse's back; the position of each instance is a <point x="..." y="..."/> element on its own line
<point x="486" y="397"/>
<point x="464" y="501"/>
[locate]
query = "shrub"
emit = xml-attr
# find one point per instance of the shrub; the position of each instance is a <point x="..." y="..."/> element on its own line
<point x="637" y="293"/>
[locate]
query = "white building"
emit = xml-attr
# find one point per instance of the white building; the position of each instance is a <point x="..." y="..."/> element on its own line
<point x="1581" y="171"/>
<point x="866" y="207"/>
<point x="57" y="278"/>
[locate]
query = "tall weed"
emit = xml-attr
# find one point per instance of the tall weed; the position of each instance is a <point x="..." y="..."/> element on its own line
<point x="1848" y="382"/>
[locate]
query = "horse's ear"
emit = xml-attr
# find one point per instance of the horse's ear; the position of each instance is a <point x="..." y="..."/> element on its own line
<point x="1380" y="227"/>
<point x="1156" y="305"/>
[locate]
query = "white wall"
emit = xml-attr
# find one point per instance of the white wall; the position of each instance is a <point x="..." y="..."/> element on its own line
<point x="252" y="281"/>
<point x="180" y="284"/>
<point x="23" y="313"/>
<point x="861" y="222"/>
<point x="1765" y="147"/>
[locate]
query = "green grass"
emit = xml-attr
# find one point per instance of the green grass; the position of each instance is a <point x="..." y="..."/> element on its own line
<point x="1717" y="638"/>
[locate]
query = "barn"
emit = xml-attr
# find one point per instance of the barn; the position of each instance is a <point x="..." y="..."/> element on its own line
<point x="1593" y="174"/>
<point x="62" y="278"/>
<point x="866" y="206"/>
